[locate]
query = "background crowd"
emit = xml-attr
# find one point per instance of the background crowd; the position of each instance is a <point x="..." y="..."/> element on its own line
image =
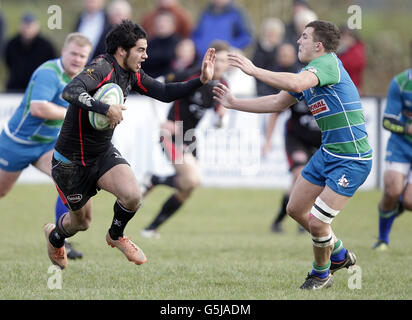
<point x="178" y="36"/>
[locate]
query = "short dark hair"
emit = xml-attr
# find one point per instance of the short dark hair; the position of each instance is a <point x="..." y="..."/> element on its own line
<point x="327" y="33"/>
<point x="124" y="35"/>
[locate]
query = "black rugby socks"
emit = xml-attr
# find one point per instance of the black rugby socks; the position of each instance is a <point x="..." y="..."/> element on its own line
<point x="168" y="209"/>
<point x="120" y="219"/>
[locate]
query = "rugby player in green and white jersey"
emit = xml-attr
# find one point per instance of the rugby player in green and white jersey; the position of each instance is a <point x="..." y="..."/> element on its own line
<point x="344" y="160"/>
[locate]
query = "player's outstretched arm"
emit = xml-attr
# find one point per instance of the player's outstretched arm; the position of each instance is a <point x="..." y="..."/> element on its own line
<point x="295" y="82"/>
<point x="266" y="104"/>
<point x="47" y="110"/>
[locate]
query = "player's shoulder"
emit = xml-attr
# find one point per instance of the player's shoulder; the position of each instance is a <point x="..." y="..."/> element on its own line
<point x="325" y="62"/>
<point x="49" y="69"/>
<point x="102" y="63"/>
<point x="403" y="78"/>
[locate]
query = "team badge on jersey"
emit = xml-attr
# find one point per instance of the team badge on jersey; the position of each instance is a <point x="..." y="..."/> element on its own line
<point x="89" y="72"/>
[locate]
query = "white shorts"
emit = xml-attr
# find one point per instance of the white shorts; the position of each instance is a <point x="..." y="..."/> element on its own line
<point x="401" y="167"/>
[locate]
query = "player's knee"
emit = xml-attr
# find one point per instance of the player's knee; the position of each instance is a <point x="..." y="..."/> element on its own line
<point x="3" y="193"/>
<point x="407" y="203"/>
<point x="4" y="190"/>
<point x="317" y="227"/>
<point x="131" y="201"/>
<point x="291" y="210"/>
<point x="392" y="193"/>
<point x="190" y="183"/>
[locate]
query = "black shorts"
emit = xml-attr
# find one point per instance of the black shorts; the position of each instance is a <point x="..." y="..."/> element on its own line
<point x="77" y="184"/>
<point x="293" y="144"/>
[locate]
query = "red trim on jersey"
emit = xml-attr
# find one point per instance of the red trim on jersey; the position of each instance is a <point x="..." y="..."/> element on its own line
<point x="81" y="137"/>
<point x="107" y="78"/>
<point x="139" y="82"/>
<point x="196" y="75"/>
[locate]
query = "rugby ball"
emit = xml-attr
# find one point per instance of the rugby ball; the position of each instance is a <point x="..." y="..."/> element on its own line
<point x="109" y="93"/>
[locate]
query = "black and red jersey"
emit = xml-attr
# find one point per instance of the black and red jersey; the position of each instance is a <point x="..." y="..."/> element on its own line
<point x="78" y="141"/>
<point x="302" y="125"/>
<point x="191" y="108"/>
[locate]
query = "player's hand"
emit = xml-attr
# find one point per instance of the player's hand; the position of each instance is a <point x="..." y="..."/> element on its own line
<point x="208" y="66"/>
<point x="114" y="114"/>
<point x="223" y="95"/>
<point x="239" y="61"/>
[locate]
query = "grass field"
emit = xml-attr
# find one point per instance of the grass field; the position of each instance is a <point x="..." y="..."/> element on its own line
<point x="217" y="247"/>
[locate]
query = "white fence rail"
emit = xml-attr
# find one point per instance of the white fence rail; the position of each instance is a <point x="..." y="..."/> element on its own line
<point x="228" y="157"/>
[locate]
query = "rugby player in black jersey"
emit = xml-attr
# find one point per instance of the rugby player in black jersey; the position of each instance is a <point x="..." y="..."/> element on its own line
<point x="86" y="161"/>
<point x="179" y="142"/>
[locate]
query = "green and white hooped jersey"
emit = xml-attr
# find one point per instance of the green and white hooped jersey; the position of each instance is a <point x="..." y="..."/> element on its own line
<point x="46" y="84"/>
<point x="336" y="106"/>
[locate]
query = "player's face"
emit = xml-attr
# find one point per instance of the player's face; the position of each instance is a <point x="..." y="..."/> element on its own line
<point x="307" y="47"/>
<point x="74" y="58"/>
<point x="221" y="64"/>
<point x="136" y="55"/>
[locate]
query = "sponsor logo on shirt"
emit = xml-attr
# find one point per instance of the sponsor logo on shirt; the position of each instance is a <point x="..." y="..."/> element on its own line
<point x="74" y="198"/>
<point x="319" y="107"/>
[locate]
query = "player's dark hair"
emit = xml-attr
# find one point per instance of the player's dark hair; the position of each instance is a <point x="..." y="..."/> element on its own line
<point x="327" y="33"/>
<point x="124" y="35"/>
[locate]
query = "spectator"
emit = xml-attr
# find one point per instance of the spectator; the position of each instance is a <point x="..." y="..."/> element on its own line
<point x="352" y="54"/>
<point x="94" y="24"/>
<point x="185" y="56"/>
<point x="270" y="37"/>
<point x="222" y="20"/>
<point x="301" y="15"/>
<point x="161" y="48"/>
<point x="240" y="83"/>
<point x="184" y="24"/>
<point x="119" y="10"/>
<point x="25" y="52"/>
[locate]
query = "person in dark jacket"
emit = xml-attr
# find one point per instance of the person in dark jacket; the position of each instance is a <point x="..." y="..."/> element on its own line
<point x="265" y="54"/>
<point x="94" y="23"/>
<point x="162" y="46"/>
<point x="25" y="52"/>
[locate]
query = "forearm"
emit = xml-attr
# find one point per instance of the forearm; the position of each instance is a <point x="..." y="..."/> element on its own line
<point x="77" y="94"/>
<point x="47" y="110"/>
<point x="265" y="104"/>
<point x="172" y="91"/>
<point x="281" y="80"/>
<point x="271" y="127"/>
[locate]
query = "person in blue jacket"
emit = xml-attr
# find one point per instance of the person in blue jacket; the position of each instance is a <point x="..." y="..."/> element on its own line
<point x="222" y="20"/>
